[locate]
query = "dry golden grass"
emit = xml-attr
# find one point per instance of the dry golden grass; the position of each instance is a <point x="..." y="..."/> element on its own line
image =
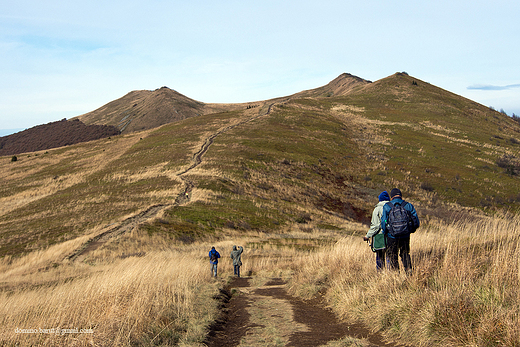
<point x="148" y="290"/>
<point x="161" y="297"/>
<point x="464" y="290"/>
<point x="138" y="289"/>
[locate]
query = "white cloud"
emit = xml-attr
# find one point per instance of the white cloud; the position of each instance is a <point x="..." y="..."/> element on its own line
<point x="492" y="87"/>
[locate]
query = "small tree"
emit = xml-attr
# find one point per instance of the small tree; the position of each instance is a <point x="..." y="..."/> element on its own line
<point x="14" y="158"/>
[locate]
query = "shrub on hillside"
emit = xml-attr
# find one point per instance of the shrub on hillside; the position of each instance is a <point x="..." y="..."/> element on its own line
<point x="510" y="163"/>
<point x="427" y="186"/>
<point x="304" y="218"/>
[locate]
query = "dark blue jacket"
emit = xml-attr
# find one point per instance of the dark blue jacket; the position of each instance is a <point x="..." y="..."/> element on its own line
<point x="218" y="256"/>
<point x="388" y="207"/>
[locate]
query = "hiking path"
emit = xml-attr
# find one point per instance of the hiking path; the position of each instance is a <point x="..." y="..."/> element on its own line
<point x="132" y="222"/>
<point x="266" y="315"/>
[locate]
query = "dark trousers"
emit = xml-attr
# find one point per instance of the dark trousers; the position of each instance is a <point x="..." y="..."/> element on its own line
<point x="399" y="247"/>
<point x="236" y="268"/>
<point x="380" y="259"/>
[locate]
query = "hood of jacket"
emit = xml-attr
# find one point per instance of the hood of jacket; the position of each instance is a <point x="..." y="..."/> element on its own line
<point x="381" y="204"/>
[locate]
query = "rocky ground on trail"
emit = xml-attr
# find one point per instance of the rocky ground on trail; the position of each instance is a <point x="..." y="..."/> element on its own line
<point x="266" y="315"/>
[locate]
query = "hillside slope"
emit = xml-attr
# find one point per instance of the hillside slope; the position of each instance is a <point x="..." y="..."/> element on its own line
<point x="52" y="135"/>
<point x="441" y="142"/>
<point x="294" y="162"/>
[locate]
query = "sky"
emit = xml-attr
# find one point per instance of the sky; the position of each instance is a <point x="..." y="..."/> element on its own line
<point x="61" y="59"/>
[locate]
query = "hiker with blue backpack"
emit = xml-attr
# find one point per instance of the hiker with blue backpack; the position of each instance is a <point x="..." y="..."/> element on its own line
<point x="399" y="220"/>
<point x="213" y="259"/>
<point x="378" y="243"/>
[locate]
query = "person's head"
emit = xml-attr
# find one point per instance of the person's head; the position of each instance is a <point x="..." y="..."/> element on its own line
<point x="234" y="248"/>
<point x="396" y="194"/>
<point x="212" y="248"/>
<point x="384" y="196"/>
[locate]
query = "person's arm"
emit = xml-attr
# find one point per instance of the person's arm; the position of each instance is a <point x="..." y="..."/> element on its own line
<point x="241" y="249"/>
<point x="375" y="224"/>
<point x="415" y="217"/>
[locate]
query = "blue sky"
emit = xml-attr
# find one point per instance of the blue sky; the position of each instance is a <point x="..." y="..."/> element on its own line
<point x="60" y="59"/>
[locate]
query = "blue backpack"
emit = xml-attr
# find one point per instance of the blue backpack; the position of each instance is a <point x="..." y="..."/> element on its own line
<point x="400" y="221"/>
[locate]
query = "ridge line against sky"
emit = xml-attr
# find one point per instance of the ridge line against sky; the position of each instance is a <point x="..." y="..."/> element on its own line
<point x="61" y="59"/>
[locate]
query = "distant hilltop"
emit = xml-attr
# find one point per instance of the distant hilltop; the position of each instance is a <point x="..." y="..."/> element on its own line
<point x="52" y="135"/>
<point x="146" y="109"/>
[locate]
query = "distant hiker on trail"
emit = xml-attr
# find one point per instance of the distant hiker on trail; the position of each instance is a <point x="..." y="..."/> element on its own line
<point x="237" y="262"/>
<point x="213" y="259"/>
<point x="375" y="232"/>
<point x="399" y="220"/>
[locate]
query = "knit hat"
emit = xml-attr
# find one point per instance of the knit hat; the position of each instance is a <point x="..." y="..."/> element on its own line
<point x="395" y="192"/>
<point x="384" y="196"/>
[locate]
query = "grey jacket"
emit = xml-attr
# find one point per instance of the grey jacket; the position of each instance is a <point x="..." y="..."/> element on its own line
<point x="235" y="255"/>
<point x="375" y="224"/>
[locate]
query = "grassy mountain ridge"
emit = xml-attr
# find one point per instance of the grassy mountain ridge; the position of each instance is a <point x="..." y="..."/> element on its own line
<point x="289" y="162"/>
<point x="146" y="109"/>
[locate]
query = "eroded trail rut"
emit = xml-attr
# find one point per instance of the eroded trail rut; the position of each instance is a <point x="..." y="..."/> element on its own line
<point x="267" y="316"/>
<point x="129" y="224"/>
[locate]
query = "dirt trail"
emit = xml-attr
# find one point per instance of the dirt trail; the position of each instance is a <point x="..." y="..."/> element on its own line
<point x="267" y="316"/>
<point x="126" y="225"/>
<point x="183" y="198"/>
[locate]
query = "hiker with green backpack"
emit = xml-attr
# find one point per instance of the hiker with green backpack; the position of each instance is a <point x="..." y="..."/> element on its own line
<point x="378" y="243"/>
<point x="399" y="220"/>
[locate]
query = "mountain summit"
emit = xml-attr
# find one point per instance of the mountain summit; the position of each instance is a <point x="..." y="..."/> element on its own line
<point x="144" y="109"/>
<point x="340" y="86"/>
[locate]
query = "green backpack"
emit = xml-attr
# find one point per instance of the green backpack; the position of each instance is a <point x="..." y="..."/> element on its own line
<point x="378" y="242"/>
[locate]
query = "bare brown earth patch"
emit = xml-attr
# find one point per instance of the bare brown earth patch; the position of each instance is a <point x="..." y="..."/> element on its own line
<point x="268" y="316"/>
<point x="233" y="323"/>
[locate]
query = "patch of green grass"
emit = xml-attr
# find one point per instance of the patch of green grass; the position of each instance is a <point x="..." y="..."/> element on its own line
<point x="240" y="214"/>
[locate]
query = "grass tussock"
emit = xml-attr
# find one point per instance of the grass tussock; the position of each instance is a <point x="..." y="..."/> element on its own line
<point x="464" y="290"/>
